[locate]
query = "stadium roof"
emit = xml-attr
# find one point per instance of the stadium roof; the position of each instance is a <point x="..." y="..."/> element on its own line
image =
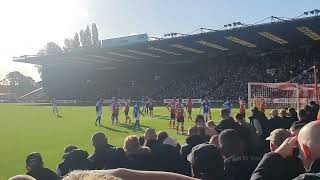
<point x="253" y="40"/>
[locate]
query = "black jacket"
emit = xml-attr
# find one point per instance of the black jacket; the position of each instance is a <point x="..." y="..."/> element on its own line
<point x="74" y="160"/>
<point x="141" y="159"/>
<point x="240" y="167"/>
<point x="107" y="157"/>
<point x="190" y="143"/>
<point x="273" y="166"/>
<point x="42" y="174"/>
<point x="227" y="124"/>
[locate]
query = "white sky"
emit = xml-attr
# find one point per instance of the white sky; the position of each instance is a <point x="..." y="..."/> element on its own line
<point x="27" y="25"/>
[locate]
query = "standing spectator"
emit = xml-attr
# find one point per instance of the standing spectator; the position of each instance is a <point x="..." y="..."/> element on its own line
<point x="192" y="140"/>
<point x="34" y="165"/>
<point x="303" y="116"/>
<point x="105" y="156"/>
<point x="227" y="122"/>
<point x="162" y="135"/>
<point x="151" y="139"/>
<point x="314" y="110"/>
<point x="296" y="127"/>
<point x="275" y="121"/>
<point x="73" y="159"/>
<point x="205" y="131"/>
<point x="293" y="114"/>
<point x="238" y="164"/>
<point x="206" y="162"/>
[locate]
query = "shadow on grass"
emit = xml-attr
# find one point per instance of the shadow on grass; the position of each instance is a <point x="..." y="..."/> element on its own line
<point x="164" y="117"/>
<point x="130" y="127"/>
<point x="115" y="130"/>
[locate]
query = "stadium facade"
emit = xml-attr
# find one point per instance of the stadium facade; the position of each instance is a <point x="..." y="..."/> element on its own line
<point x="176" y="66"/>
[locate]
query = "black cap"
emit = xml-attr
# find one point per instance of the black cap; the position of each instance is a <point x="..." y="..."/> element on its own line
<point x="206" y="156"/>
<point x="34" y="159"/>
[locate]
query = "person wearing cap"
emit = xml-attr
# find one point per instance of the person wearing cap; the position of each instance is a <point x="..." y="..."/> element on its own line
<point x="73" y="159"/>
<point x="238" y="163"/>
<point x="34" y="165"/>
<point x="206" y="162"/>
<point x="105" y="156"/>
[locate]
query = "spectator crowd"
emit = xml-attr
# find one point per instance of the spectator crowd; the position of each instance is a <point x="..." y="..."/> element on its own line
<point x="284" y="147"/>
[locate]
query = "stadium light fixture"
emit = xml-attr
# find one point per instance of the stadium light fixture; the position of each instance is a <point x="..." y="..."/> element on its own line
<point x="187" y="48"/>
<point x="106" y="58"/>
<point x="143" y="53"/>
<point x="212" y="45"/>
<point x="308" y="32"/>
<point x="240" y="41"/>
<point x="124" y="55"/>
<point x="273" y="37"/>
<point x="164" y="51"/>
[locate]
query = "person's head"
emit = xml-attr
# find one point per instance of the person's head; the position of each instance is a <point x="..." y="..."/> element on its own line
<point x="180" y="100"/>
<point x="308" y="109"/>
<point x="309" y="143"/>
<point x="211" y="124"/>
<point x="162" y="135"/>
<point x="22" y="177"/>
<point x="240" y="117"/>
<point x="283" y="113"/>
<point x="90" y="175"/>
<point x="193" y="131"/>
<point x="150" y="134"/>
<point x="292" y="112"/>
<point x="99" y="139"/>
<point x="274" y="113"/>
<point x="312" y="103"/>
<point x="34" y="161"/>
<point x="254" y="111"/>
<point x="225" y="113"/>
<point x="228" y="99"/>
<point x="214" y="140"/>
<point x="302" y="115"/>
<point x="131" y="143"/>
<point x="230" y="143"/>
<point x="200" y="122"/>
<point x="296" y="127"/>
<point x="69" y="148"/>
<point x="206" y="162"/>
<point x="277" y="137"/>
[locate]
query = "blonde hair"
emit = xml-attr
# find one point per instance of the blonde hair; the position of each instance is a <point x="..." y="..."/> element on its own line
<point x="22" y="177"/>
<point x="90" y="175"/>
<point x="131" y="142"/>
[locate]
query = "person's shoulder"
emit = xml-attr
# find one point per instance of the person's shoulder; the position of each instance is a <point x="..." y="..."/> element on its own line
<point x="308" y="176"/>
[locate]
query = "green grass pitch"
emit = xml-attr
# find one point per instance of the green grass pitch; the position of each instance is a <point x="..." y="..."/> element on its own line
<point x="26" y="128"/>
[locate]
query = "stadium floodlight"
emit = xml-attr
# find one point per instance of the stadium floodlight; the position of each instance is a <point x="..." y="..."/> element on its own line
<point x="106" y="58"/>
<point x="143" y="53"/>
<point x="308" y="32"/>
<point x="124" y="55"/>
<point x="212" y="45"/>
<point x="187" y="48"/>
<point x="273" y="37"/>
<point x="164" y="51"/>
<point x="240" y="41"/>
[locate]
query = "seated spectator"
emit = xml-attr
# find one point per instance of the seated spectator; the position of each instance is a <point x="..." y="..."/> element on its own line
<point x="105" y="156"/>
<point x="292" y="113"/>
<point x="238" y="164"/>
<point x="192" y="140"/>
<point x="22" y="177"/>
<point x="227" y="122"/>
<point x="303" y="116"/>
<point x="206" y="162"/>
<point x="275" y="165"/>
<point x="139" y="158"/>
<point x="73" y="159"/>
<point x="34" y="165"/>
<point x="162" y="135"/>
<point x="295" y="128"/>
<point x="214" y="140"/>
<point x="205" y="131"/>
<point x="277" y="137"/>
<point x="151" y="139"/>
